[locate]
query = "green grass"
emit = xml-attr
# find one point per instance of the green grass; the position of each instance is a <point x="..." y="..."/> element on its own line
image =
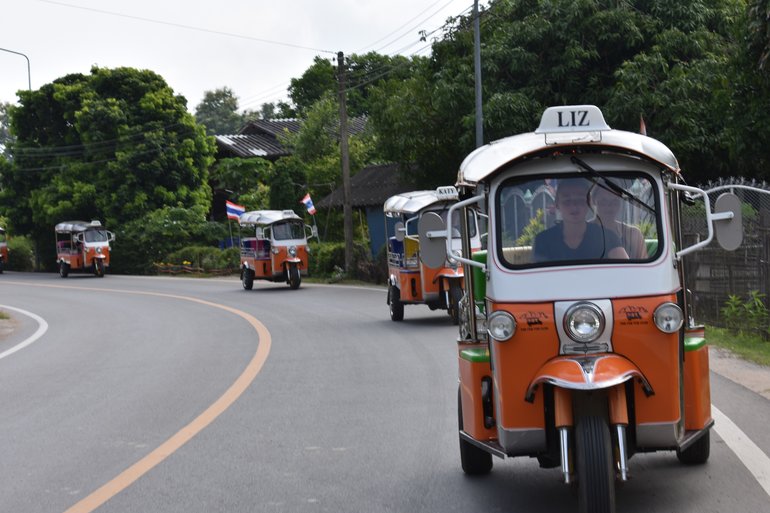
<point x="748" y="347"/>
<point x="4" y="315"/>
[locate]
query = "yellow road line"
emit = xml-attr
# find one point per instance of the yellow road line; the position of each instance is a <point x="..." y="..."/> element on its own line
<point x="141" y="467"/>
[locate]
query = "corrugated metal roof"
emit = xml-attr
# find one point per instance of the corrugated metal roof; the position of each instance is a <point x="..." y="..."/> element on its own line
<point x="255" y="145"/>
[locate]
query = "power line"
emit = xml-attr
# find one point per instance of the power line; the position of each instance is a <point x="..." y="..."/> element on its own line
<point x="187" y="27"/>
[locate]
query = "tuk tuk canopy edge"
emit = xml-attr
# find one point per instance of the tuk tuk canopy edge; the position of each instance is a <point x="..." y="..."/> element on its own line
<point x="77" y="226"/>
<point x="488" y="159"/>
<point x="412" y="202"/>
<point x="267" y="216"/>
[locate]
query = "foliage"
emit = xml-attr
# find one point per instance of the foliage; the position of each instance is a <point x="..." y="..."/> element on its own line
<point x="327" y="260"/>
<point x="206" y="258"/>
<point x="240" y="176"/>
<point x="218" y="112"/>
<point x="20" y="254"/>
<point x="112" y="145"/>
<point x="535" y="226"/>
<point x="149" y="239"/>
<point x="749" y="346"/>
<point x="749" y="315"/>
<point x="5" y="123"/>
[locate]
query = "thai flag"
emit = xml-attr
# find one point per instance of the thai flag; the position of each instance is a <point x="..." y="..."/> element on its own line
<point x="234" y="211"/>
<point x="308" y="204"/>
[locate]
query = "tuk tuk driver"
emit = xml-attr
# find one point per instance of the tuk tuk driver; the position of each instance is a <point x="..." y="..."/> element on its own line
<point x="575" y="238"/>
<point x="607" y="204"/>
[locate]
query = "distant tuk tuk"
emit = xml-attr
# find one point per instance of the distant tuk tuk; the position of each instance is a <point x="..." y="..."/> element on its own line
<point x="577" y="342"/>
<point x="82" y="246"/>
<point x="410" y="280"/>
<point x="278" y="251"/>
<point x="3" y="250"/>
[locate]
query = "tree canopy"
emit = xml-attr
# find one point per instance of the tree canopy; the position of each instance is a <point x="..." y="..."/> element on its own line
<point x="113" y="145"/>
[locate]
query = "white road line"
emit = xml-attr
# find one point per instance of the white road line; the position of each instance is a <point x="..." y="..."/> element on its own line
<point x="747" y="451"/>
<point x="41" y="329"/>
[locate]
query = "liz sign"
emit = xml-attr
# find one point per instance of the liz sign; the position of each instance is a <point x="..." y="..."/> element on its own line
<point x="572" y="118"/>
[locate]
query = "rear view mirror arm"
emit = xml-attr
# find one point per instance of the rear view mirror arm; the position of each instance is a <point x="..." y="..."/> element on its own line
<point x="450" y="215"/>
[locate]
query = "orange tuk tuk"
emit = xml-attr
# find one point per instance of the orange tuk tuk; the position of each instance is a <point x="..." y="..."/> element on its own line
<point x="3" y="250"/>
<point x="82" y="246"/>
<point x="410" y="280"/>
<point x="278" y="251"/>
<point x="577" y="341"/>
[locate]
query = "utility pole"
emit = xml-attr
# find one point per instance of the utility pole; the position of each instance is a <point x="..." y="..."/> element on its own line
<point x="347" y="208"/>
<point x="477" y="73"/>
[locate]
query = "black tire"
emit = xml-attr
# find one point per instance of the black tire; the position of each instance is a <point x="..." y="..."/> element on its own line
<point x="99" y="268"/>
<point x="475" y="462"/>
<point x="1" y="267"/>
<point x="64" y="269"/>
<point x="455" y="295"/>
<point x="698" y="453"/>
<point x="247" y="279"/>
<point x="396" y="306"/>
<point x="595" y="474"/>
<point x="295" y="278"/>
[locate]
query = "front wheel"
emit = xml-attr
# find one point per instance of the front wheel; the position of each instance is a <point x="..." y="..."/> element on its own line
<point x="247" y="279"/>
<point x="99" y="268"/>
<point x="64" y="269"/>
<point x="698" y="453"/>
<point x="474" y="461"/>
<point x="396" y="306"/>
<point x="595" y="475"/>
<point x="295" y="278"/>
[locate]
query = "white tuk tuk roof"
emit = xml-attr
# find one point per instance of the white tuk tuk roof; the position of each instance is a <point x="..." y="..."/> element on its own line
<point x="413" y="202"/>
<point x="562" y="127"/>
<point x="266" y="217"/>
<point x="2" y="230"/>
<point x="78" y="226"/>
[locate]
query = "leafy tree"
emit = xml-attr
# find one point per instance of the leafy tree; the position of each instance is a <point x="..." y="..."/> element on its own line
<point x="113" y="145"/>
<point x="5" y="124"/>
<point x="667" y="61"/>
<point x="218" y="112"/>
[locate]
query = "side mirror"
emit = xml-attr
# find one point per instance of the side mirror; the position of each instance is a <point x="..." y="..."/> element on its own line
<point x="432" y="240"/>
<point x="400" y="231"/>
<point x="729" y="229"/>
<point x="79" y="237"/>
<point x="110" y="237"/>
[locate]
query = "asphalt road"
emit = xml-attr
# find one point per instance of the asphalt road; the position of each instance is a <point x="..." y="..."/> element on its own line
<point x="187" y="395"/>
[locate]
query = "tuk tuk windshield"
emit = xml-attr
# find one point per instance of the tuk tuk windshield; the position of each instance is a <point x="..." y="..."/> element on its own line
<point x="290" y="230"/>
<point x="577" y="219"/>
<point x="96" y="236"/>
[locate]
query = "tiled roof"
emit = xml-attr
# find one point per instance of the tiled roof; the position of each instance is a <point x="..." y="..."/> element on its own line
<point x="370" y="187"/>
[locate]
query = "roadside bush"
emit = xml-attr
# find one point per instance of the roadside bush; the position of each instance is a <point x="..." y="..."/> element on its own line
<point x="747" y="316"/>
<point x="327" y="260"/>
<point x="206" y="258"/>
<point x="21" y="257"/>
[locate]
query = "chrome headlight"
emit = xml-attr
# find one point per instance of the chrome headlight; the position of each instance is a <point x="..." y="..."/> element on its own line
<point x="668" y="318"/>
<point x="584" y="322"/>
<point x="99" y="250"/>
<point x="292" y="251"/>
<point x="501" y="326"/>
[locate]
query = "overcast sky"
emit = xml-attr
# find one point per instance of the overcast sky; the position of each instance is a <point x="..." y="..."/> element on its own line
<point x="253" y="47"/>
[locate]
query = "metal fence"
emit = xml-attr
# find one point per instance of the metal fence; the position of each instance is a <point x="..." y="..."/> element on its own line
<point x="714" y="274"/>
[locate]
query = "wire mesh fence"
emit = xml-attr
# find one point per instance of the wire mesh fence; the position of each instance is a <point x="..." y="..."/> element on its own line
<point x="714" y="274"/>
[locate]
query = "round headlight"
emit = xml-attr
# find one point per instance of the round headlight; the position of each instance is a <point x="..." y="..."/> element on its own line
<point x="293" y="251"/>
<point x="584" y="322"/>
<point x="99" y="250"/>
<point x="501" y="326"/>
<point x="668" y="318"/>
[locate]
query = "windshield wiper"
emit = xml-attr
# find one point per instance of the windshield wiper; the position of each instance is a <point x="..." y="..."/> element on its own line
<point x="611" y="186"/>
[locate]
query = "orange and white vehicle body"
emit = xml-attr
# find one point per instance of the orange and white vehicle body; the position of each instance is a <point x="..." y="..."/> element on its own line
<point x="3" y="250"/>
<point x="576" y="358"/>
<point x="82" y="246"/>
<point x="277" y="251"/>
<point x="410" y="280"/>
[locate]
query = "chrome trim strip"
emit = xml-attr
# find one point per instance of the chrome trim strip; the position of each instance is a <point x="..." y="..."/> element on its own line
<point x="490" y="447"/>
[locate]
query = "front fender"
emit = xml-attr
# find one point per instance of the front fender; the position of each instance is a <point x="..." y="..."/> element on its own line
<point x="592" y="372"/>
